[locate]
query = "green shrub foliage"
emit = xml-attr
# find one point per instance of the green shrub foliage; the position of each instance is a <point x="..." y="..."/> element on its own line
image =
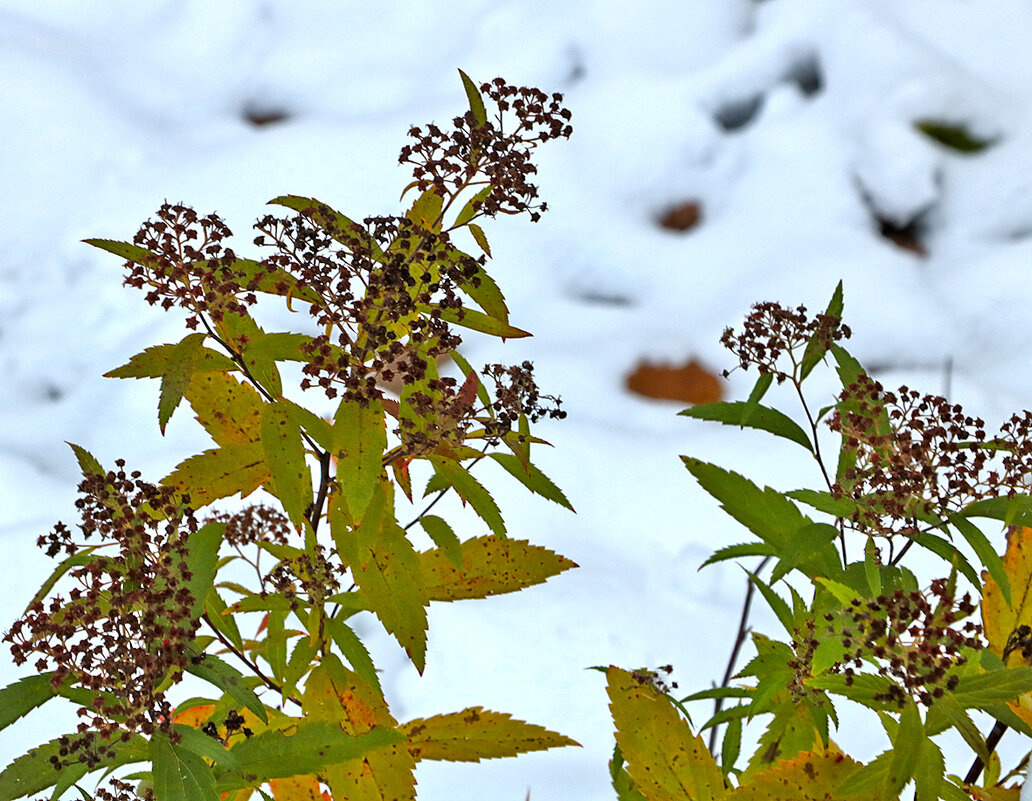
<point x="148" y="589"/>
<point x="910" y="472"/>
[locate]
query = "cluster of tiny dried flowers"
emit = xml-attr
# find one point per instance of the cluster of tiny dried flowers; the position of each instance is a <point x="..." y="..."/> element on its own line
<point x="772" y="331"/>
<point x="448" y="162"/>
<point x="315" y="578"/>
<point x="919" y="455"/>
<point x="376" y="292"/>
<point x="122" y="630"/>
<point x="917" y="639"/>
<point x="517" y="394"/>
<point x="254" y="523"/>
<point x="187" y="266"/>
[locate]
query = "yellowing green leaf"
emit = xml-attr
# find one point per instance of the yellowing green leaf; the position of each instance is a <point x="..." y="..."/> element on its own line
<point x="296" y="788"/>
<point x="244" y="336"/>
<point x="474" y="734"/>
<point x="285" y="455"/>
<point x="532" y="478"/>
<point x="478" y="234"/>
<point x="1000" y="618"/>
<point x="231" y="412"/>
<point x="490" y="566"/>
<point x="388" y="573"/>
<point x="806" y="777"/>
<point x="178" y="372"/>
<point x="219" y="473"/>
<point x="179" y="775"/>
<point x="452" y="474"/>
<point x="476" y="102"/>
<point x="153" y="362"/>
<point x="478" y="321"/>
<point x="666" y="762"/>
<point x="334" y="693"/>
<point x="359" y="441"/>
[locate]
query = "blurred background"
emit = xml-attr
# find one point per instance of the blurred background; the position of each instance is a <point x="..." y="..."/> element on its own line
<point x="724" y="152"/>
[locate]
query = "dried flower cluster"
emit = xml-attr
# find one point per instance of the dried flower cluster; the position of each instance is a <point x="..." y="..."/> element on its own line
<point x="377" y="292"/>
<point x="315" y="578"/>
<point x="449" y="162"/>
<point x="188" y="267"/>
<point x="917" y="640"/>
<point x="516" y="394"/>
<point x="122" y="631"/>
<point x="919" y="455"/>
<point x="253" y="524"/>
<point x="771" y="331"/>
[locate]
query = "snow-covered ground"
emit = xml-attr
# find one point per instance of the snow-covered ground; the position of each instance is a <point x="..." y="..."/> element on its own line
<point x="791" y="123"/>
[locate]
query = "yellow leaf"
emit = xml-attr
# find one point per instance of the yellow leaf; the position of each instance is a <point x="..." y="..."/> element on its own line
<point x="298" y="788"/>
<point x="219" y="473"/>
<point x="475" y="733"/>
<point x="995" y="793"/>
<point x="387" y="570"/>
<point x="663" y="758"/>
<point x="999" y="618"/>
<point x="490" y="566"/>
<point x="230" y="412"/>
<point x="332" y="692"/>
<point x="807" y="777"/>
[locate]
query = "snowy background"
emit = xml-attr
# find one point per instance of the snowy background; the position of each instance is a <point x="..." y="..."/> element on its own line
<point x="791" y="123"/>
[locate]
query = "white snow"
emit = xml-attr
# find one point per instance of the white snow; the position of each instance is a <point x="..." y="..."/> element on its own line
<point x="789" y="121"/>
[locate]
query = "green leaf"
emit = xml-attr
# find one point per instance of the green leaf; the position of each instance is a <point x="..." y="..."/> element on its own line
<point x="812" y="544"/>
<point x="132" y="253"/>
<point x="359" y="442"/>
<point x="1012" y="511"/>
<point x="220" y="472"/>
<point x="178" y="372"/>
<point x="740" y="550"/>
<point x="490" y="566"/>
<point x="906" y="749"/>
<point x="929" y="772"/>
<point x="389" y="574"/>
<point x="984" y="551"/>
<point x="341" y="228"/>
<point x="179" y="775"/>
<point x="285" y="456"/>
<point x="949" y="553"/>
<point x="154" y="362"/>
<point x="214" y="606"/>
<point x="469" y="210"/>
<point x="952" y="135"/>
<point x="20" y="698"/>
<point x="737" y="413"/>
<point x="353" y="649"/>
<point x="731" y="746"/>
<point x="767" y="513"/>
<point x="227" y="678"/>
<point x="824" y="502"/>
<point x="470" y="490"/>
<point x="483" y="289"/>
<point x="478" y="321"/>
<point x="775" y="602"/>
<point x="476" y="102"/>
<point x="947" y="713"/>
<point x="758" y="391"/>
<point x="87" y="461"/>
<point x="81" y="557"/>
<point x="426" y="211"/>
<point x="33" y="772"/>
<point x="481" y="238"/>
<point x="865" y="688"/>
<point x="245" y="336"/>
<point x="311" y="748"/>
<point x="444" y="538"/>
<point x="987" y="689"/>
<point x="815" y="349"/>
<point x="534" y="480"/>
<point x="197" y="742"/>
<point x="202" y="559"/>
<point x="871" y="568"/>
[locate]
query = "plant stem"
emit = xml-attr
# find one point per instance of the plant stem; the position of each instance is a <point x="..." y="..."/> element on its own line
<point x="990" y="745"/>
<point x="743" y="631"/>
<point x="250" y="664"/>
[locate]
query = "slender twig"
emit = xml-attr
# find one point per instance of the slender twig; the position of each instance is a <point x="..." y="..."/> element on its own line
<point x="990" y="745"/>
<point x="743" y="632"/>
<point x="314" y="512"/>
<point x="253" y="666"/>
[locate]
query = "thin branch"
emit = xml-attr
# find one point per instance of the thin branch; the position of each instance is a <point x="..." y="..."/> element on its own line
<point x="743" y="632"/>
<point x="990" y="745"/>
<point x="253" y="666"/>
